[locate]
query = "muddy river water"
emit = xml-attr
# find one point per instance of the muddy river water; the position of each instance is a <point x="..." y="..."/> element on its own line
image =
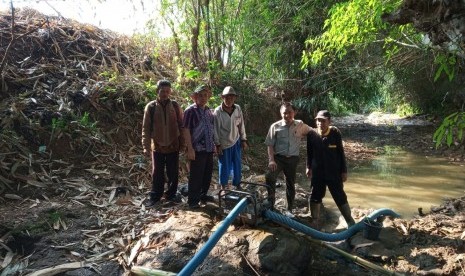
<point x="404" y="182"/>
<point x="399" y="179"/>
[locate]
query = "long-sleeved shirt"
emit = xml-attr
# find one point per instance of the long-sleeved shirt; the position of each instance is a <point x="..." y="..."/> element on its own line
<point x="200" y="124"/>
<point x="325" y="154"/>
<point x="229" y="128"/>
<point x="162" y="132"/>
<point x="285" y="139"/>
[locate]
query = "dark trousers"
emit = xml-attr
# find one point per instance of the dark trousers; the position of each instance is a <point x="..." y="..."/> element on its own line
<point x="288" y="165"/>
<point x="200" y="176"/>
<point x="336" y="188"/>
<point x="160" y="161"/>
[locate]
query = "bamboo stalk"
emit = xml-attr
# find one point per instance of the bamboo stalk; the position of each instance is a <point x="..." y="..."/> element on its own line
<point x="356" y="259"/>
<point x="144" y="271"/>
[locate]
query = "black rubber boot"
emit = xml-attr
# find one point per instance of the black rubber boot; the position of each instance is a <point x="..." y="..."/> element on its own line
<point x="315" y="212"/>
<point x="346" y="213"/>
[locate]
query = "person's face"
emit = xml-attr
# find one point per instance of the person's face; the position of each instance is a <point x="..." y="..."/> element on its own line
<point x="229" y="100"/>
<point x="164" y="92"/>
<point x="322" y="124"/>
<point x="201" y="98"/>
<point x="287" y="113"/>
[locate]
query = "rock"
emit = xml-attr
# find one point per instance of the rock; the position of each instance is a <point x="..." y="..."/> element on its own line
<point x="272" y="250"/>
<point x="381" y="249"/>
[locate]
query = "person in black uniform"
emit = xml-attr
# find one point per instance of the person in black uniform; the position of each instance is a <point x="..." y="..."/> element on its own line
<point x="326" y="167"/>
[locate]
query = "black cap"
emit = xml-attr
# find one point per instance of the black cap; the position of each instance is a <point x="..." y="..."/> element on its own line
<point x="323" y="114"/>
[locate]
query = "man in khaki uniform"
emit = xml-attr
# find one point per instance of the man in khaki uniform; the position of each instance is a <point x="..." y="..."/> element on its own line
<point x="283" y="143"/>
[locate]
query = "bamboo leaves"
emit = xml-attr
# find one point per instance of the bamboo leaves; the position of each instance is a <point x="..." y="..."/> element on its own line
<point x="350" y="25"/>
<point x="450" y="130"/>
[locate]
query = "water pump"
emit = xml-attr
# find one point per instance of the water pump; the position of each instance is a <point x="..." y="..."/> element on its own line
<point x="257" y="197"/>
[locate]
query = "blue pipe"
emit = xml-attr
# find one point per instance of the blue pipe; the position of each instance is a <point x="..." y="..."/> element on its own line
<point x="214" y="238"/>
<point x="327" y="236"/>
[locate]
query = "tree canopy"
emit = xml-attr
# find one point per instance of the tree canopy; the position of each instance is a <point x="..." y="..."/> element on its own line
<point x="350" y="56"/>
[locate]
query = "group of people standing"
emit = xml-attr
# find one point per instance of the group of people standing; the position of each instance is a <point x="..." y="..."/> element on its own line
<point x="201" y="132"/>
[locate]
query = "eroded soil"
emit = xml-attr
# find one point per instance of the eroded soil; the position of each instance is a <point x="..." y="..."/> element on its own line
<point x="93" y="219"/>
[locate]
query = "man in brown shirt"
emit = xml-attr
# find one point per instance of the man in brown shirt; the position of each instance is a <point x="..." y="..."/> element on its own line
<point x="162" y="139"/>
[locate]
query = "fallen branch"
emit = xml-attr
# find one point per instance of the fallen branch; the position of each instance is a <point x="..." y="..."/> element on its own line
<point x="69" y="266"/>
<point x="59" y="269"/>
<point x="144" y="271"/>
<point x="250" y="265"/>
<point x="356" y="259"/>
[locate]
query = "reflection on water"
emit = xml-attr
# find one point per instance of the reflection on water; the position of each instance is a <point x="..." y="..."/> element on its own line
<point x="402" y="181"/>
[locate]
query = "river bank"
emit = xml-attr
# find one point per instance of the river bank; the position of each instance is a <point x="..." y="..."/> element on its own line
<point x="93" y="217"/>
<point x="94" y="222"/>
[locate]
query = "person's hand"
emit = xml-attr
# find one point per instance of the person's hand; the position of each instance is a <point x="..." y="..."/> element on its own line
<point x="308" y="172"/>
<point x="272" y="166"/>
<point x="244" y="145"/>
<point x="190" y="153"/>
<point x="219" y="150"/>
<point x="344" y="177"/>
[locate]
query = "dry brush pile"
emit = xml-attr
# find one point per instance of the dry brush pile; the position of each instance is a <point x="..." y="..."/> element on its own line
<point x="72" y="97"/>
<point x="68" y="89"/>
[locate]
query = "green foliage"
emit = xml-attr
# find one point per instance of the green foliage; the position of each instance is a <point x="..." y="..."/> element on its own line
<point x="446" y="63"/>
<point x="325" y="101"/>
<point x="272" y="39"/>
<point x="110" y="89"/>
<point x="352" y="24"/>
<point x="112" y="79"/>
<point x="450" y="130"/>
<point x="214" y="70"/>
<point x="257" y="40"/>
<point x="111" y="76"/>
<point x="307" y="104"/>
<point x="350" y="59"/>
<point x="58" y="124"/>
<point x="150" y="88"/>
<point x="214" y="101"/>
<point x="55" y="216"/>
<point x="407" y="109"/>
<point x="338" y="106"/>
<point x="66" y="124"/>
<point x="192" y="74"/>
<point x="86" y="122"/>
<point x="354" y="28"/>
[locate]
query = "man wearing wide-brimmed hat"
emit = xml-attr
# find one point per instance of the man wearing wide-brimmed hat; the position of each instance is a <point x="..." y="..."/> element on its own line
<point x="198" y="129"/>
<point x="230" y="138"/>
